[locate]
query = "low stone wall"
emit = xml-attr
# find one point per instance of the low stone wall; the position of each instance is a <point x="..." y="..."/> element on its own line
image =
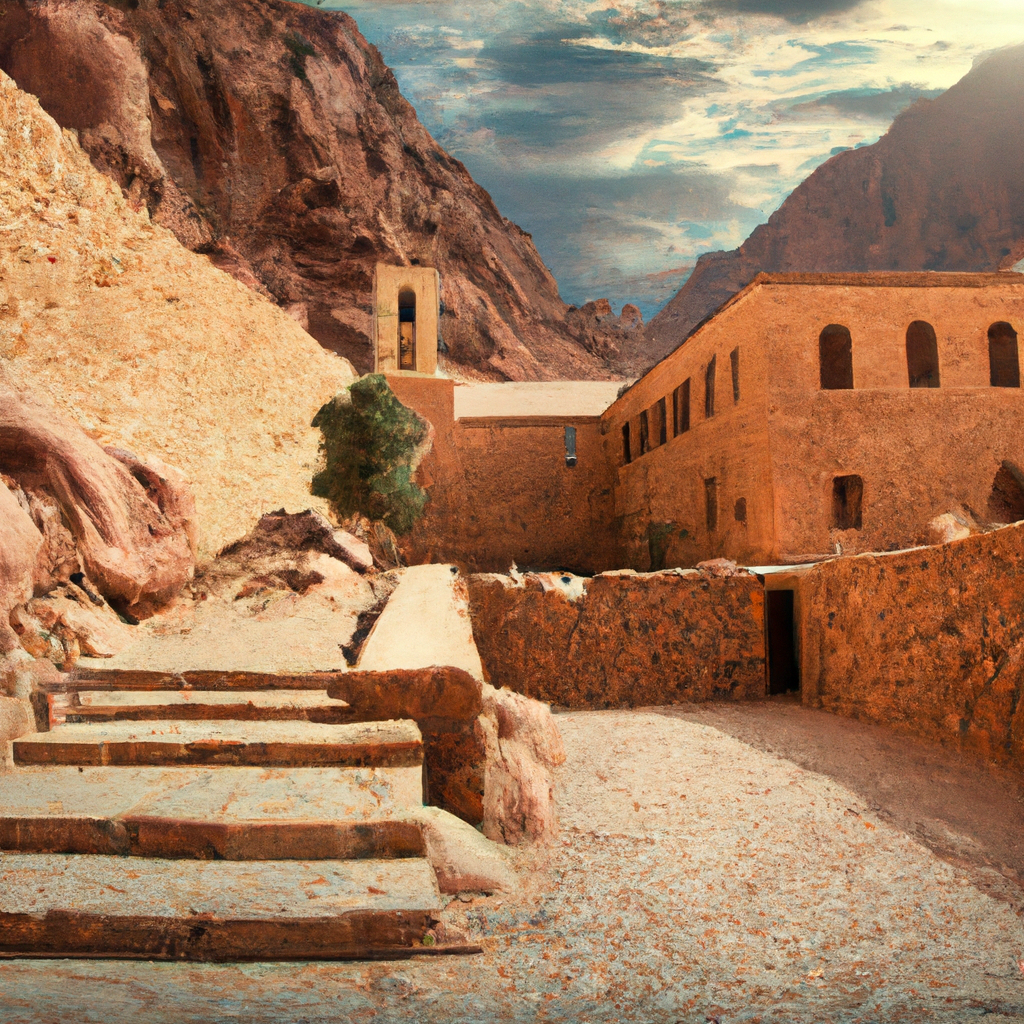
<point x="929" y="641"/>
<point x="622" y="639"/>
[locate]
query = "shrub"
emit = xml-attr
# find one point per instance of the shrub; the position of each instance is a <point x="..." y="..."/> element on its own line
<point x="370" y="441"/>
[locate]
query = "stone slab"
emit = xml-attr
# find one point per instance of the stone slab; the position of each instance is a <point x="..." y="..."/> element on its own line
<point x="269" y="744"/>
<point x="436" y="692"/>
<point x="97" y="677"/>
<point x="60" y="905"/>
<point x="425" y="622"/>
<point x="192" y="705"/>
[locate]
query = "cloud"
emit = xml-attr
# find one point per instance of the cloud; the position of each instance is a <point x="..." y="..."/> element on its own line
<point x="796" y="11"/>
<point x="631" y="135"/>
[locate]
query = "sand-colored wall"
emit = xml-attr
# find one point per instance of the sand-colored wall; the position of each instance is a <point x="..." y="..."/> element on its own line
<point x="920" y="451"/>
<point x="621" y="639"/>
<point x="929" y="641"/>
<point x="145" y="344"/>
<point x="501" y="492"/>
<point x="660" y="496"/>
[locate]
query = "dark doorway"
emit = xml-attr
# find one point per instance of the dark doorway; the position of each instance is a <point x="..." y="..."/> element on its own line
<point x="780" y="635"/>
<point x="847" y="503"/>
<point x="407" y="330"/>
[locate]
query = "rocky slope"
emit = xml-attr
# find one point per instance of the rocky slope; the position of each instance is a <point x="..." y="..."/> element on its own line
<point x="145" y="344"/>
<point x="942" y="190"/>
<point x="271" y="136"/>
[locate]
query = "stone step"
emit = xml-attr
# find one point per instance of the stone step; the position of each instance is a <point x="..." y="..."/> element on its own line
<point x="198" y="705"/>
<point x="213" y="813"/>
<point x="97" y="677"/>
<point x="394" y="744"/>
<point x="57" y="905"/>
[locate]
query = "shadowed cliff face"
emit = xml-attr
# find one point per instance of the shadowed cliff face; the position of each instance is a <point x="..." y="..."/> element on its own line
<point x="942" y="190"/>
<point x="272" y="137"/>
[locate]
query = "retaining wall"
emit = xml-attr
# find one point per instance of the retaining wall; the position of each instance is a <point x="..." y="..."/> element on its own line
<point x="622" y="639"/>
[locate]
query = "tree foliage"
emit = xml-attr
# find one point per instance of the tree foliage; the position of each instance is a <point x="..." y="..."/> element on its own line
<point x="369" y="443"/>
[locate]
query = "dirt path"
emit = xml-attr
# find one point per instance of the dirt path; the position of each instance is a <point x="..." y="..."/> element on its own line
<point x="702" y="874"/>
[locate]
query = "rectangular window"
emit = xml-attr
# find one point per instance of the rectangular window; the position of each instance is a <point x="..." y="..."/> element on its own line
<point x="645" y="433"/>
<point x="681" y="408"/>
<point x="847" y="502"/>
<point x="734" y="359"/>
<point x="570" y="446"/>
<point x="662" y="421"/>
<point x="627" y="456"/>
<point x="709" y="389"/>
<point x="711" y="504"/>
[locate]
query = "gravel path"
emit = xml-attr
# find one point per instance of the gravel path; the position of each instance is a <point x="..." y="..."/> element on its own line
<point x="698" y="877"/>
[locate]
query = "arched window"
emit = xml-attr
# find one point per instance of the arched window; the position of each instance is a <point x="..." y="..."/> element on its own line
<point x="922" y="355"/>
<point x="1003" y="365"/>
<point x="407" y="329"/>
<point x="835" y="358"/>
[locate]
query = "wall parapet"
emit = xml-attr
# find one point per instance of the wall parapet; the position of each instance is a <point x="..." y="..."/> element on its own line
<point x="622" y="639"/>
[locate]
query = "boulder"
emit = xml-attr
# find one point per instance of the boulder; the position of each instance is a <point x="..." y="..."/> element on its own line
<point x="20" y="543"/>
<point x="138" y="557"/>
<point x="946" y="528"/>
<point x="463" y="859"/>
<point x="99" y="632"/>
<point x="523" y="744"/>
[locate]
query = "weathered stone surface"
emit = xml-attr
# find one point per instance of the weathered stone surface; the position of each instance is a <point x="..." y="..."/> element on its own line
<point x="929" y="641"/>
<point x="15" y="719"/>
<point x="20" y="542"/>
<point x="99" y="632"/>
<point x="627" y="640"/>
<point x="138" y="556"/>
<point x="144" y="343"/>
<point x="437" y="692"/>
<point x="463" y="859"/>
<point x="526" y="721"/>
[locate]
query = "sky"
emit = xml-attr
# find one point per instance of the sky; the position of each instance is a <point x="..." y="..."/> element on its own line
<point x="630" y="136"/>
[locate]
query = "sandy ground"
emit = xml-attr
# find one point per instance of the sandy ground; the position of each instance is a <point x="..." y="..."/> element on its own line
<point x="757" y="862"/>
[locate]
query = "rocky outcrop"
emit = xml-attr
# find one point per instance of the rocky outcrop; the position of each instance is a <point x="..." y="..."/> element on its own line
<point x="137" y="553"/>
<point x="20" y="542"/>
<point x="145" y="344"/>
<point x="941" y="190"/>
<point x="272" y="136"/>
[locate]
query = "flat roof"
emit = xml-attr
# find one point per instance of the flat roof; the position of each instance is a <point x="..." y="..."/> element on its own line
<point x="535" y="398"/>
<point x="893" y="279"/>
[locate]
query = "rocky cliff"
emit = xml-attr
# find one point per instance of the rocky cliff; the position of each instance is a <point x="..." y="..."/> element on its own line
<point x="144" y="344"/>
<point x="942" y="190"/>
<point x="271" y="136"/>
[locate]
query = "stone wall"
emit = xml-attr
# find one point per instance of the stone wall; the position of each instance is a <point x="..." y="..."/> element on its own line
<point x="929" y="641"/>
<point x="622" y="639"/>
<point x="501" y="492"/>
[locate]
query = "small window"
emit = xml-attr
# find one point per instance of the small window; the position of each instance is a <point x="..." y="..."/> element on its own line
<point x="740" y="511"/>
<point x="662" y="421"/>
<point x="835" y="358"/>
<point x="1003" y="365"/>
<point x="570" y="446"/>
<point x="711" y="504"/>
<point x="407" y="330"/>
<point x="847" y="501"/>
<point x="681" y="408"/>
<point x="1006" y="502"/>
<point x="709" y="389"/>
<point x="627" y="455"/>
<point x="734" y="359"/>
<point x="645" y="433"/>
<point x="922" y="355"/>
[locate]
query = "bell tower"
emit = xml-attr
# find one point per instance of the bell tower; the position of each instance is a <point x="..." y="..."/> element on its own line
<point x="406" y="311"/>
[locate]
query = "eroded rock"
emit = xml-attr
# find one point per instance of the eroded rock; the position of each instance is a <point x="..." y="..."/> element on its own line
<point x="20" y="543"/>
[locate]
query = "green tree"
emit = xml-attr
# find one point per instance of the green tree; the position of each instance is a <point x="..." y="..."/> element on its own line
<point x="369" y="444"/>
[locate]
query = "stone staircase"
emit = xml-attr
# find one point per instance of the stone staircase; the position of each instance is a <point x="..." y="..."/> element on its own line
<point x="239" y="830"/>
<point x="251" y="815"/>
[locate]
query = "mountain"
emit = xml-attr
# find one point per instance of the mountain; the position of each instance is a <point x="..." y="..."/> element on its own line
<point x="145" y="345"/>
<point x="942" y="190"/>
<point x="272" y="137"/>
